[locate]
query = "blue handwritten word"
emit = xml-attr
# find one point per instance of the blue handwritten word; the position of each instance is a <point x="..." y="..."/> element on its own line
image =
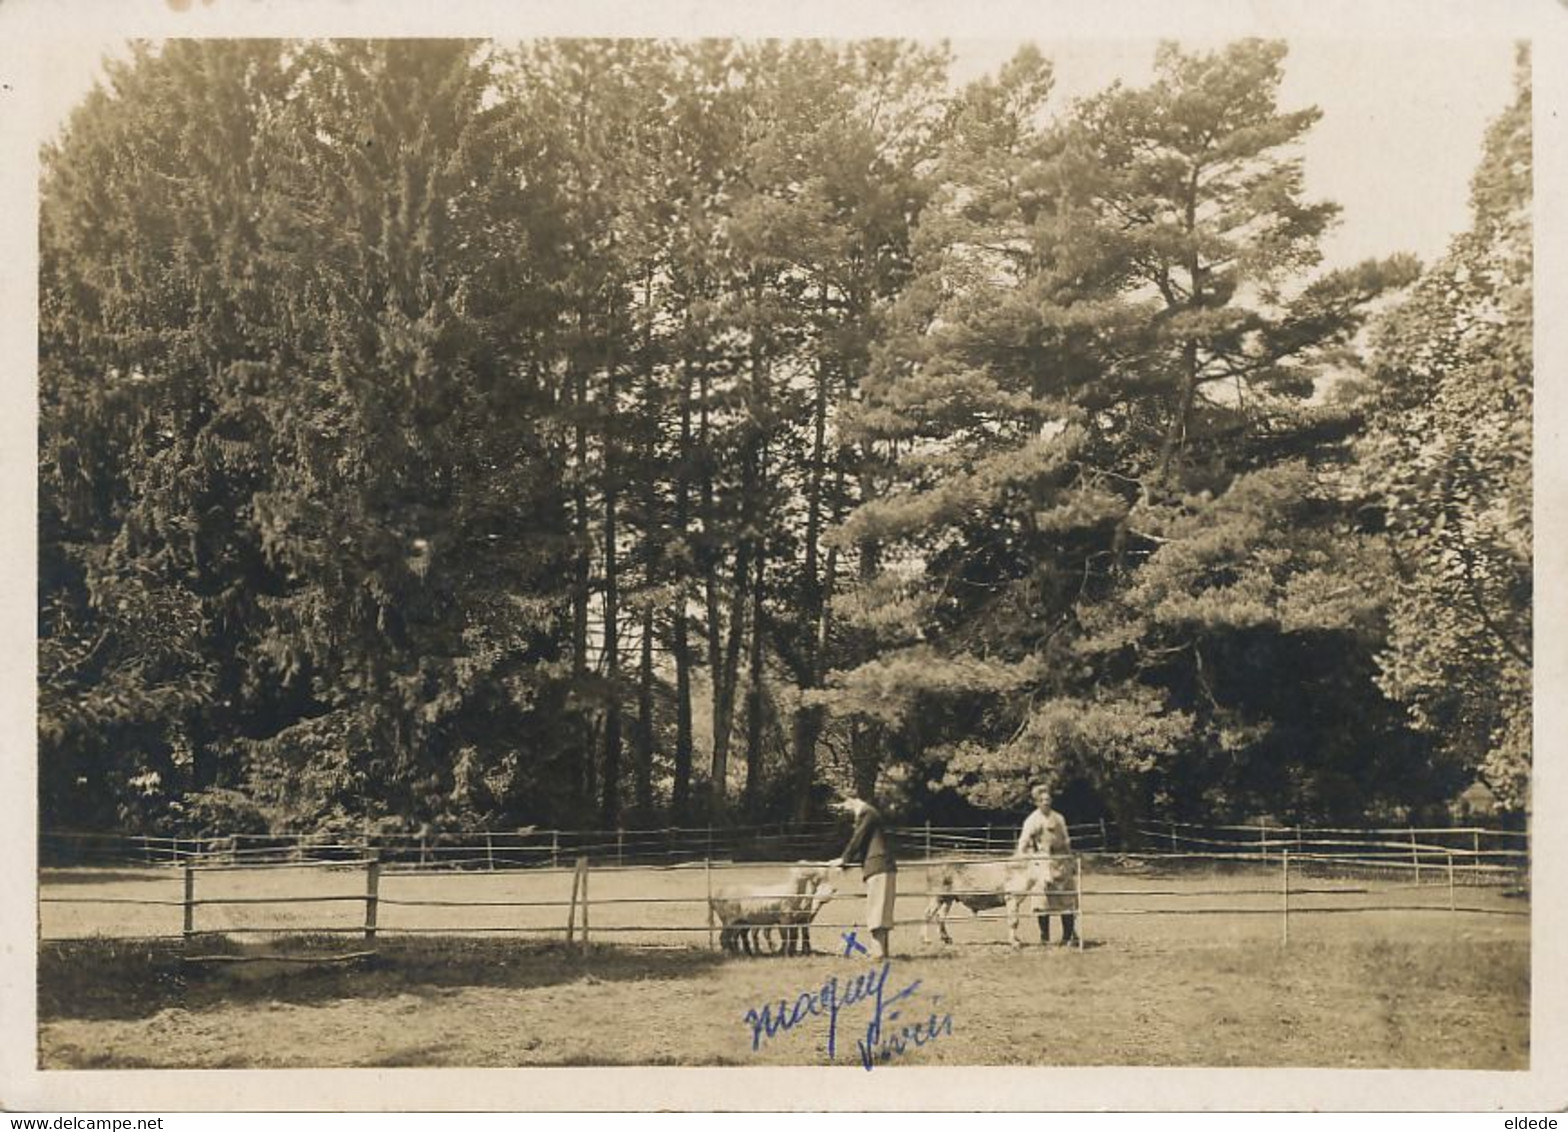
<point x="832" y="998"/>
<point x="852" y="945"/>
<point x="879" y="1047"/>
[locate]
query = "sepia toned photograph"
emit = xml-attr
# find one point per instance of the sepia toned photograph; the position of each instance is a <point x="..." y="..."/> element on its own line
<point x="855" y="553"/>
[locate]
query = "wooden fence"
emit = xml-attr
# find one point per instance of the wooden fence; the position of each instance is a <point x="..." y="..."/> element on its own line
<point x="545" y="848"/>
<point x="1284" y="875"/>
<point x="1473" y="846"/>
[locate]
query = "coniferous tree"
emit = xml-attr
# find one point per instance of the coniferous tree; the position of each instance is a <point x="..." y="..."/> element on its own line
<point x="442" y="434"/>
<point x="1106" y="344"/>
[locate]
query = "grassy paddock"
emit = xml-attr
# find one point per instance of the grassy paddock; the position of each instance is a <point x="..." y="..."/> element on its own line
<point x="1185" y="967"/>
<point x="1460" y="1000"/>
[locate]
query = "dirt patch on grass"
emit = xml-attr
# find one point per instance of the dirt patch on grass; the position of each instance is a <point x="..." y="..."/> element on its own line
<point x="1459" y="1003"/>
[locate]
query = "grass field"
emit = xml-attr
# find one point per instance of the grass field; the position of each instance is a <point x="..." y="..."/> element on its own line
<point x="1158" y="984"/>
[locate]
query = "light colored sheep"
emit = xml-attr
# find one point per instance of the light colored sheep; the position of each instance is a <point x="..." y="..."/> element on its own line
<point x="807" y="880"/>
<point x="989" y="884"/>
<point x="745" y="912"/>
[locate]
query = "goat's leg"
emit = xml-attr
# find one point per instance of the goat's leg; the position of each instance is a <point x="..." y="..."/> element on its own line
<point x="933" y="912"/>
<point x="1013" y="903"/>
<point x="938" y="910"/>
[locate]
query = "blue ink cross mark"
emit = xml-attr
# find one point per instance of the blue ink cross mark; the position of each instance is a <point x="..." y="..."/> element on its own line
<point x="852" y="945"/>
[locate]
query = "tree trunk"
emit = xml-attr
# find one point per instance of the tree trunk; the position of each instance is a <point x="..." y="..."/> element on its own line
<point x="865" y="756"/>
<point x="581" y="571"/>
<point x="726" y="674"/>
<point x="809" y="717"/>
<point x="611" y="807"/>
<point x="756" y="693"/>
<point x="720" y="667"/>
<point x="708" y="559"/>
<point x="645" y="720"/>
<point x="1176" y="433"/>
<point x="748" y="552"/>
<point x="807" y="731"/>
<point x="653" y="544"/>
<point x="753" y="480"/>
<point x="680" y="800"/>
<point x="866" y="738"/>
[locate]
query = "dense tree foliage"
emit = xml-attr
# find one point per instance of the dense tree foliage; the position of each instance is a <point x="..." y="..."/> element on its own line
<point x="1447" y="462"/>
<point x="607" y="431"/>
<point x="1113" y="471"/>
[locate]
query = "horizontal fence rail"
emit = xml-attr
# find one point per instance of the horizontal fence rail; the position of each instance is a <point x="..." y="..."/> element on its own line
<point x="1284" y="881"/>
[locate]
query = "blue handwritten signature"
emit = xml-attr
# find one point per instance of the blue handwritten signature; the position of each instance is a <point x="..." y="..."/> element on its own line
<point x="882" y="1041"/>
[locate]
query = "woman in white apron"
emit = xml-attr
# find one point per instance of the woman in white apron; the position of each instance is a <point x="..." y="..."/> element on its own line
<point x="1045" y="834"/>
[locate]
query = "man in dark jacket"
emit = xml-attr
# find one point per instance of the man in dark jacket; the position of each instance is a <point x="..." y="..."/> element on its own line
<point x="871" y="848"/>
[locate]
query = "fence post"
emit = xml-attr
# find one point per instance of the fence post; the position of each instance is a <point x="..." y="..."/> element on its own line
<point x="555" y="848"/>
<point x="1105" y="841"/>
<point x="190" y="902"/>
<point x="1475" y="835"/>
<point x="372" y="898"/>
<point x="928" y="839"/>
<point x="583" y="864"/>
<point x="146" y="850"/>
<point x="490" y="849"/>
<point x="1263" y="837"/>
<point x="620" y="847"/>
<point x="1284" y="890"/>
<point x="1452" y="907"/>
<point x="571" y="915"/>
<point x="1415" y="855"/>
<point x="707" y="876"/>
<point x="1078" y="898"/>
<point x="1172" y="827"/>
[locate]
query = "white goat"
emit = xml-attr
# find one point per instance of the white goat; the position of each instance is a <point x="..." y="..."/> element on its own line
<point x="989" y="884"/>
<point x="745" y="912"/>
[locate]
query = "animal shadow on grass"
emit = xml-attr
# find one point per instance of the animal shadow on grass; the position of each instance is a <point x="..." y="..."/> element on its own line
<point x="98" y="979"/>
